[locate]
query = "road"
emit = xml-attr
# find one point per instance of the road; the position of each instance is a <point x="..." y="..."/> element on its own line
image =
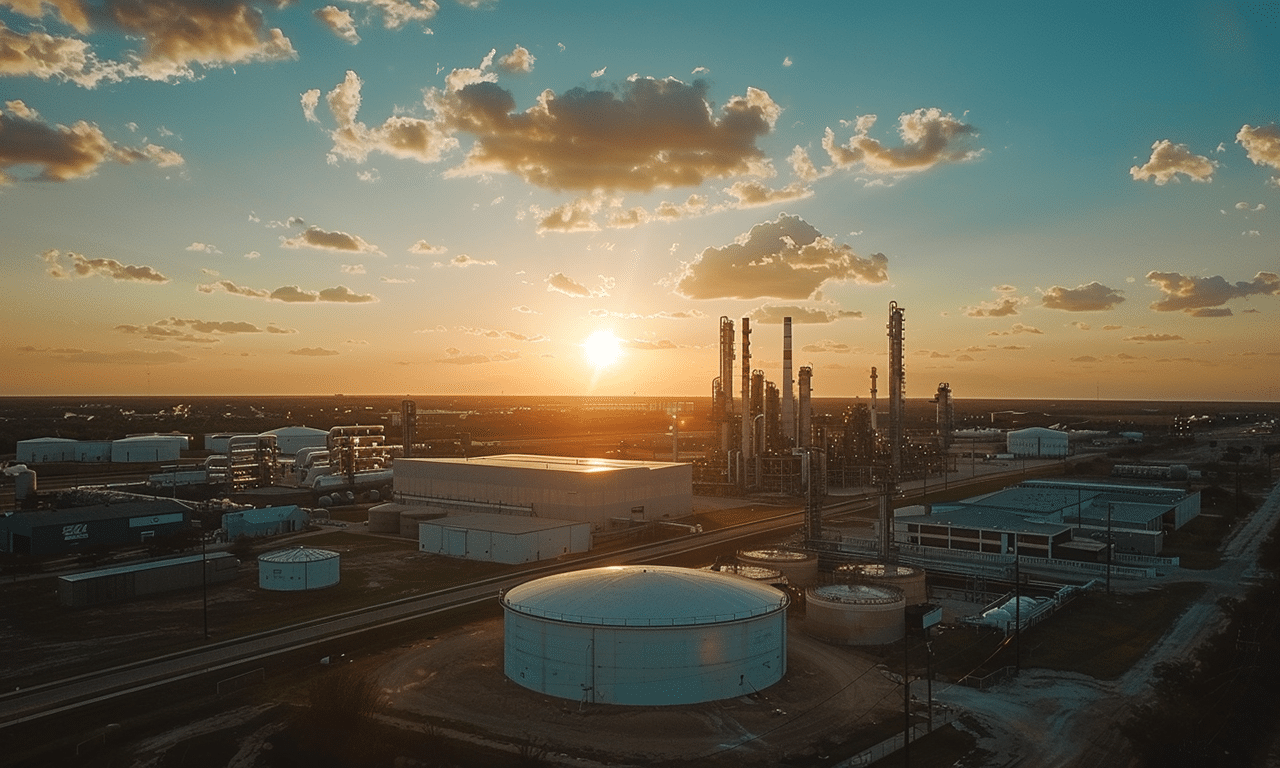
<point x="1065" y="720"/>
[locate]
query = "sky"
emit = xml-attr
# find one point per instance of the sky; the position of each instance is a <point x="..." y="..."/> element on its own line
<point x="541" y="197"/>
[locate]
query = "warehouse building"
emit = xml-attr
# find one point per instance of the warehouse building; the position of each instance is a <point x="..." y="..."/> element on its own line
<point x="507" y="539"/>
<point x="1036" y="443"/>
<point x="268" y="521"/>
<point x="1052" y="519"/>
<point x="124" y="582"/>
<point x="57" y="532"/>
<point x="595" y="491"/>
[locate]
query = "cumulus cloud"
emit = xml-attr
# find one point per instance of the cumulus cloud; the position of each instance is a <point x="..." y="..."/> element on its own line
<point x="649" y="344"/>
<point x="1243" y="206"/>
<point x="427" y="249"/>
<point x="61" y="152"/>
<point x="786" y="259"/>
<point x="313" y="352"/>
<point x="1084" y="359"/>
<point x="186" y="330"/>
<point x="1154" y="337"/>
<point x="1168" y="160"/>
<point x="643" y="135"/>
<point x="827" y="345"/>
<point x="1094" y="297"/>
<point x="321" y="240"/>
<point x="1004" y="306"/>
<point x="82" y="266"/>
<point x="1192" y="294"/>
<point x="203" y="248"/>
<point x="1262" y="145"/>
<point x="490" y="333"/>
<point x="753" y="194"/>
<point x="771" y="314"/>
<point x="454" y="356"/>
<point x="45" y="56"/>
<point x="291" y="294"/>
<point x="353" y="269"/>
<point x="462" y="261"/>
<point x="519" y="60"/>
<point x="1016" y="329"/>
<point x="339" y="23"/>
<point x="559" y="282"/>
<point x="929" y="138"/>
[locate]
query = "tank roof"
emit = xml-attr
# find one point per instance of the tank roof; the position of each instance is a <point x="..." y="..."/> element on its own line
<point x="879" y="570"/>
<point x="777" y="555"/>
<point x="297" y="555"/>
<point x="644" y="596"/>
<point x="859" y="594"/>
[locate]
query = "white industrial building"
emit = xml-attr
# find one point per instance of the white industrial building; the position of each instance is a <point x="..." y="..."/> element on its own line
<point x="290" y="440"/>
<point x="507" y="539"/>
<point x="148" y="448"/>
<point x="1037" y="442"/>
<point x="644" y="635"/>
<point x="595" y="491"/>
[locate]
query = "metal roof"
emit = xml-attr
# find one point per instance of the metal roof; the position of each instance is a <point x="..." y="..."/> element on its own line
<point x="644" y="596"/>
<point x="147" y="566"/>
<point x="265" y="515"/>
<point x="112" y="511"/>
<point x="297" y="555"/>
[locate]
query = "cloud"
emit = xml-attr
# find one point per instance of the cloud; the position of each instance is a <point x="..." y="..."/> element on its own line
<point x="519" y="60"/>
<point x="313" y="352"/>
<point x="339" y="23"/>
<point x="203" y="248"/>
<point x="455" y="357"/>
<point x="559" y="282"/>
<point x="397" y="280"/>
<point x="321" y="240"/>
<point x="1211" y="312"/>
<point x="425" y="248"/>
<point x="1243" y="206"/>
<point x="773" y="314"/>
<point x="462" y="261"/>
<point x="1085" y="359"/>
<point x="618" y="218"/>
<point x="64" y="153"/>
<point x="827" y="345"/>
<point x="122" y="357"/>
<point x="400" y="136"/>
<point x="397" y="13"/>
<point x="353" y="269"/>
<point x="524" y="310"/>
<point x="291" y="294"/>
<point x="1004" y="306"/>
<point x="1154" y="337"/>
<point x="691" y="314"/>
<point x="649" y="345"/>
<point x="1016" y="329"/>
<point x="929" y="138"/>
<point x="489" y="333"/>
<point x="1079" y="325"/>
<point x="1189" y="294"/>
<point x="752" y="194"/>
<point x="1094" y="297"/>
<point x="85" y="267"/>
<point x="786" y="259"/>
<point x="578" y="216"/>
<point x="1261" y="144"/>
<point x="1169" y="159"/>
<point x="45" y="56"/>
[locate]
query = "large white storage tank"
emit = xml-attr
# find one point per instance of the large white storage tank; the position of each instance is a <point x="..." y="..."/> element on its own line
<point x="297" y="569"/>
<point x="290" y="440"/>
<point x="41" y="449"/>
<point x="149" y="448"/>
<point x="644" y="635"/>
<point x="1037" y="442"/>
<point x="855" y="614"/>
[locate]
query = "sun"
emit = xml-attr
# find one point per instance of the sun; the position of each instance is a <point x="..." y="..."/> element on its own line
<point x="602" y="349"/>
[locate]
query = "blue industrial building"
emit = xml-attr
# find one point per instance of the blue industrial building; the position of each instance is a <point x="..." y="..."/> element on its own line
<point x="62" y="531"/>
<point x="269" y="521"/>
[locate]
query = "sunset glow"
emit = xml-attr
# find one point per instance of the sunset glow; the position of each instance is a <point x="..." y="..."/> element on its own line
<point x="405" y="197"/>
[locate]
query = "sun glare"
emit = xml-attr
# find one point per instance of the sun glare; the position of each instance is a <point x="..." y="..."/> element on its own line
<point x="602" y="349"/>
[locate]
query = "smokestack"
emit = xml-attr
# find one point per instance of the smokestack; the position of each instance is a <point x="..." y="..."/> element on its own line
<point x="806" y="411"/>
<point x="788" y="399"/>
<point x="873" y="398"/>
<point x="897" y="386"/>
<point x="746" y="389"/>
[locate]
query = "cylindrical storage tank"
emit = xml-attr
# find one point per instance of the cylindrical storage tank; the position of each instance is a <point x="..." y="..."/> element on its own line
<point x="291" y="570"/>
<point x="24" y="486"/>
<point x="855" y="614"/>
<point x="385" y="518"/>
<point x="904" y="577"/>
<point x="800" y="568"/>
<point x="147" y="448"/>
<point x="644" y="635"/>
<point x="770" y="576"/>
<point x="409" y="520"/>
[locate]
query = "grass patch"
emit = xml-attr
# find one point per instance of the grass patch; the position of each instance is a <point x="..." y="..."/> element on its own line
<point x="1095" y="635"/>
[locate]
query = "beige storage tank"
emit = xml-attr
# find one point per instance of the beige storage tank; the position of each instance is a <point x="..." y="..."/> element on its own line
<point x="409" y="520"/>
<point x="855" y="614"/>
<point x="904" y="577"/>
<point x="800" y="568"/>
<point x="385" y="518"/>
<point x="770" y="576"/>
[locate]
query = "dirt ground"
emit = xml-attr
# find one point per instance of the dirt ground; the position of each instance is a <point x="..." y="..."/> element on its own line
<point x="456" y="682"/>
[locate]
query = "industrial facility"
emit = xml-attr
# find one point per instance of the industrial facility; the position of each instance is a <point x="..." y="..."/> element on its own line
<point x="298" y="569"/>
<point x="644" y="635"/>
<point x="56" y="532"/>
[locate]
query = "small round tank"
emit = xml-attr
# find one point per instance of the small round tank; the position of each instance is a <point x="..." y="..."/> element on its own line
<point x="855" y="614"/>
<point x="800" y="568"/>
<point x="770" y="576"/>
<point x="904" y="577"/>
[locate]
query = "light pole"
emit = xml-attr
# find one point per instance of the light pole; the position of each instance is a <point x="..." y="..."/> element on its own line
<point x="204" y="581"/>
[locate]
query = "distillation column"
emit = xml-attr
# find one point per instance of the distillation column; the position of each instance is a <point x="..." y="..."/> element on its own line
<point x="874" y="376"/>
<point x="806" y="408"/>
<point x="897" y="389"/>
<point x="788" y="399"/>
<point x="725" y="415"/>
<point x="946" y="415"/>
<point x="747" y="440"/>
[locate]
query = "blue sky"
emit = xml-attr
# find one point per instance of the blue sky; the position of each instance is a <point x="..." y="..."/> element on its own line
<point x="393" y="197"/>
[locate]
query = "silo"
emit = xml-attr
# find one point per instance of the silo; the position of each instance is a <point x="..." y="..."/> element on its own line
<point x="24" y="484"/>
<point x="910" y="580"/>
<point x="855" y="614"/>
<point x="800" y="568"/>
<point x="301" y="568"/>
<point x="644" y="635"/>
